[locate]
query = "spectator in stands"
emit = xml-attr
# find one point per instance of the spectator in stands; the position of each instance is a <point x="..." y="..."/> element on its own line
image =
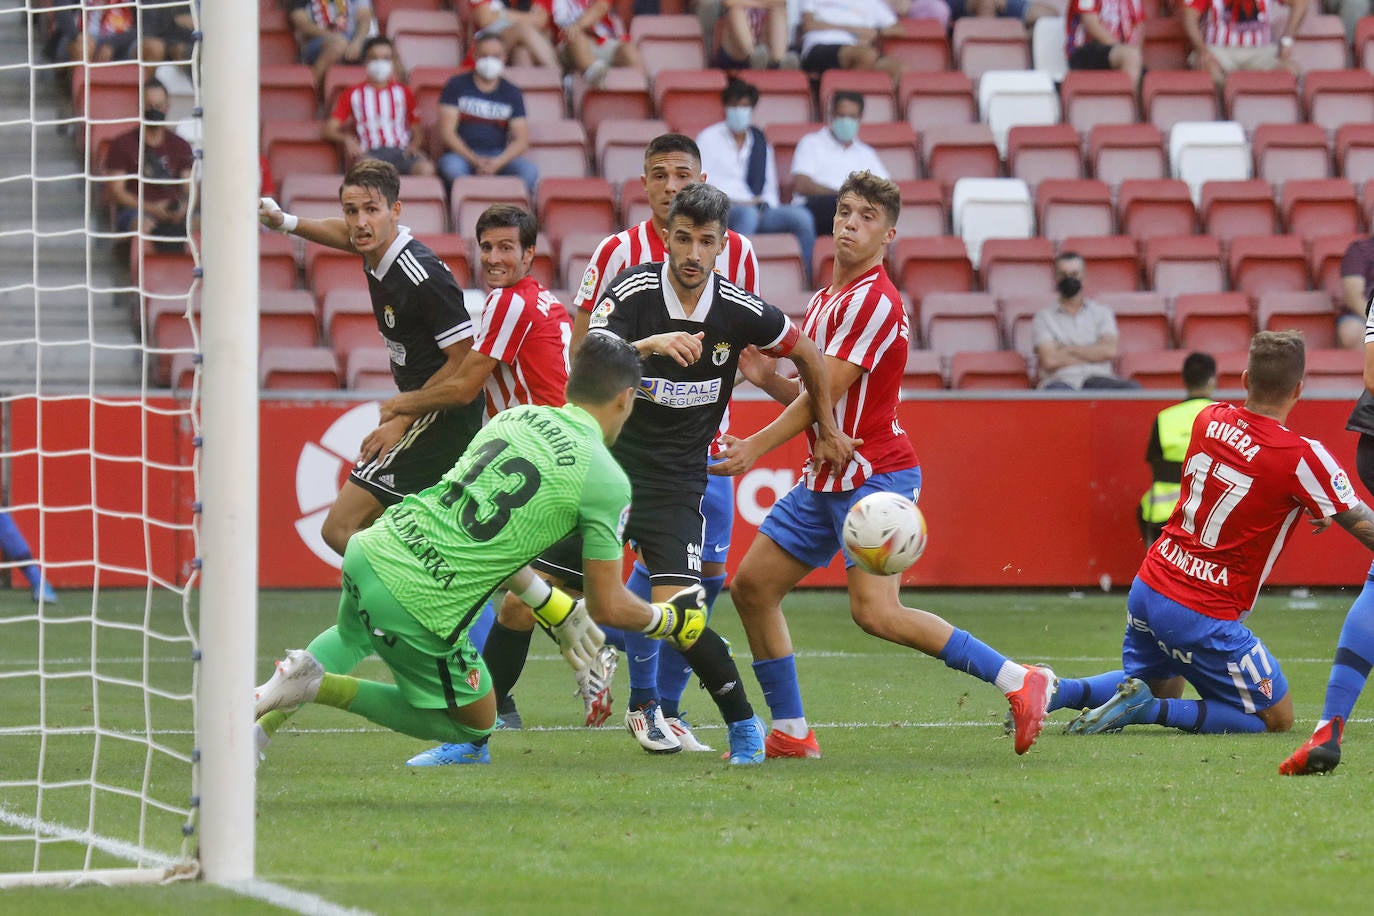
<point x="754" y="33"/>
<point x="1006" y="9"/>
<point x="103" y="30"/>
<point x="160" y="163"/>
<point x="524" y="26"/>
<point x="482" y="121"/>
<point x="1357" y="286"/>
<point x="592" y="39"/>
<point x="739" y="161"/>
<point x="1350" y="11"/>
<point x="1100" y="34"/>
<point x="937" y="10"/>
<point x="330" y="31"/>
<point x="1075" y="339"/>
<point x="825" y="158"/>
<point x="1237" y="36"/>
<point x="168" y="33"/>
<point x="377" y="118"/>
<point x="1169" y="436"/>
<point x="845" y="34"/>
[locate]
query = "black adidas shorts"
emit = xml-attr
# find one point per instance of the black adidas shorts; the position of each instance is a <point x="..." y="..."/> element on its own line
<point x="428" y="450"/>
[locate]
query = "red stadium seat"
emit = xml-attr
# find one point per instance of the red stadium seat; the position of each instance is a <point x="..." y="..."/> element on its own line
<point x="338" y="78"/>
<point x="620" y="146"/>
<point x="923" y="209"/>
<point x="422" y="19"/>
<point x="1213" y="322"/>
<point x="369" y="369"/>
<point x="932" y="98"/>
<point x="1017" y="313"/>
<point x="921" y="45"/>
<point x="1334" y="370"/>
<point x="1142" y="321"/>
<point x="1364" y="49"/>
<point x="668" y="42"/>
<point x="780" y="261"/>
<point x="1080" y="206"/>
<point x="1012" y="267"/>
<point x="923" y="372"/>
<point x="452" y="249"/>
<point x="327" y="270"/>
<point x="981" y="44"/>
<point x="1041" y="151"/>
<point x="286" y="318"/>
<point x="633" y="205"/>
<point x="1355" y="152"/>
<point x="927" y="265"/>
<point x="1267" y="263"/>
<point x="784" y="139"/>
<point x="874" y="85"/>
<point x="1319" y="206"/>
<point x="896" y="145"/>
<point x="1169" y="97"/>
<point x="472" y="194"/>
<point x="1324" y="262"/>
<point x="1232" y="208"/>
<point x="287" y="91"/>
<point x="1184" y="264"/>
<point x="558" y="148"/>
<point x="1155" y="369"/>
<point x="276" y="46"/>
<point x="349" y="322"/>
<point x="575" y="253"/>
<point x="1163" y="45"/>
<point x="1097" y="97"/>
<point x="295" y="147"/>
<point x="1309" y="312"/>
<point x="995" y="370"/>
<point x="689" y="99"/>
<point x="542" y="88"/>
<point x="1120" y="151"/>
<point x="955" y="322"/>
<point x="276" y="261"/>
<point x="1255" y="97"/>
<point x="784" y="96"/>
<point x="299" y="369"/>
<point x="1321" y="43"/>
<point x="1337" y="97"/>
<point x="424" y="208"/>
<point x="1149" y="208"/>
<point x="624" y="96"/>
<point x="822" y="261"/>
<point x="569" y="205"/>
<point x="1110" y="262"/>
<point x="1284" y="151"/>
<point x="954" y="151"/>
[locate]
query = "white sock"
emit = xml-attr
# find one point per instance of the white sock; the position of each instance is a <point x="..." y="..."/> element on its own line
<point x="1010" y="677"/>
<point x="1321" y="723"/>
<point x="796" y="728"/>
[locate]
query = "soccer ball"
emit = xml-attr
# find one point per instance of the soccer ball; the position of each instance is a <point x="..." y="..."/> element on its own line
<point x="884" y="533"/>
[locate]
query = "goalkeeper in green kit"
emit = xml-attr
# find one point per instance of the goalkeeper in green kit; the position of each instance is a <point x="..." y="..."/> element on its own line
<point x="418" y="577"/>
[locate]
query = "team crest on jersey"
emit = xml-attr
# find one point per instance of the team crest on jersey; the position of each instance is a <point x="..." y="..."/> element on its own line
<point x="1266" y="687"/>
<point x="602" y="313"/>
<point x="720" y="353"/>
<point x="389" y="316"/>
<point x="474" y="678"/>
<point x="589" y="278"/>
<point x="1340" y="484"/>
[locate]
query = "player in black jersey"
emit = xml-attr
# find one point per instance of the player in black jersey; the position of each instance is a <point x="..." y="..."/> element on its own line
<point x="427" y="330"/>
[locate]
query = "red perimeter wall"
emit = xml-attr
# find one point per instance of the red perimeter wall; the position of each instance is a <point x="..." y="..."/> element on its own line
<point x="1018" y="492"/>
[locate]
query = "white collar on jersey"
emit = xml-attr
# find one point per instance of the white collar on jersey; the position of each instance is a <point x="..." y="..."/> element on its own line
<point x="674" y="305"/>
<point x="402" y="239"/>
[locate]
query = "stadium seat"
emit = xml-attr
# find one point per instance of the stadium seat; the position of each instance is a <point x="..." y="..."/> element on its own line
<point x="784" y="96"/>
<point x="1110" y="262"/>
<point x="1184" y="264"/>
<point x="1336" y="97"/>
<point x="986" y="208"/>
<point x="981" y="44"/>
<point x="1171" y="96"/>
<point x="1364" y="48"/>
<point x="429" y="49"/>
<point x="923" y="372"/>
<point x="1017" y="267"/>
<point x="1255" y="97"/>
<point x="470" y="195"/>
<point x="1231" y="208"/>
<point x="543" y="268"/>
<point x="793" y="302"/>
<point x="620" y="144"/>
<point x="1142" y="320"/>
<point x="822" y="261"/>
<point x="1149" y="208"/>
<point x="1201" y="152"/>
<point x="558" y="148"/>
<point x="182" y="375"/>
<point x="287" y="318"/>
<point x="1309" y="312"/>
<point x="1007" y="98"/>
<point x="780" y="262"/>
<point x="287" y="91"/>
<point x="784" y="138"/>
<point x="1018" y="314"/>
<point x="1080" y="206"/>
<point x="1120" y="151"/>
<point x="1321" y="43"/>
<point x="567" y="205"/>
<point x="1334" y="370"/>
<point x="166" y="274"/>
<point x="575" y="253"/>
<point x="1037" y="152"/>
<point x="1091" y="98"/>
<point x="452" y="249"/>
<point x="953" y="322"/>
<point x="338" y="78"/>
<point x="349" y="322"/>
<point x="369" y="369"/>
<point x="1367" y="201"/>
<point x="633" y="204"/>
<point x="295" y="147"/>
<point x="422" y="19"/>
<point x="921" y="46"/>
<point x="1156" y="370"/>
<point x="928" y="265"/>
<point x="298" y="369"/>
<point x="542" y="88"/>
<point x="955" y="151"/>
<point x="923" y="209"/>
<point x="623" y="96"/>
<point x="993" y="370"/>
<point x="668" y="42"/>
<point x="874" y="85"/>
<point x="689" y="99"/>
<point x="276" y="261"/>
<point x="1355" y="152"/>
<point x="276" y="46"/>
<point x="896" y="144"/>
<point x="1324" y="262"/>
<point x="424" y="208"/>
<point x="1213" y="322"/>
<point x="1163" y="45"/>
<point x="1229" y="368"/>
<point x="1319" y="206"/>
<point x="1267" y="263"/>
<point x="930" y="99"/>
<point x="1284" y="151"/>
<point x="1048" y="55"/>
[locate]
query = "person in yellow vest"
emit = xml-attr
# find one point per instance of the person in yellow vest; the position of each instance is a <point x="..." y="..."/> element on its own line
<point x="1169" y="442"/>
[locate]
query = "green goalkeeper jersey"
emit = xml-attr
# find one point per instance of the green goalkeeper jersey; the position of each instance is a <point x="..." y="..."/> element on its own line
<point x="530" y="478"/>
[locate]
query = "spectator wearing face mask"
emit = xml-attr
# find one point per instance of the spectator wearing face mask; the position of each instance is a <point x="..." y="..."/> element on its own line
<point x="737" y="159"/>
<point x="151" y="171"/>
<point x="482" y="121"/>
<point x="1075" y="339"/>
<point x="825" y="158"/>
<point x="377" y="119"/>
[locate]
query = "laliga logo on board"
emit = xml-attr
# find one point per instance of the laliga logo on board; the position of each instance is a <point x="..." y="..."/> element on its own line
<point x="320" y="470"/>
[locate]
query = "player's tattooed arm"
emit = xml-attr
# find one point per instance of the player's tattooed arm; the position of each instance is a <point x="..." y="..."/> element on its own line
<point x="1359" y="521"/>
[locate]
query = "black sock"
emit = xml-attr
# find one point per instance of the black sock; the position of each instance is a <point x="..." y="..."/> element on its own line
<point x="505" y="654"/>
<point x="710" y="659"/>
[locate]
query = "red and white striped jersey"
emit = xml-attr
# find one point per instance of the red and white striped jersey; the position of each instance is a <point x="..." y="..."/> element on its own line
<point x="865" y="324"/>
<point x="1119" y="17"/>
<point x="528" y="331"/>
<point x="1234" y="23"/>
<point x="1247" y="482"/>
<point x="382" y="116"/>
<point x="609" y="26"/>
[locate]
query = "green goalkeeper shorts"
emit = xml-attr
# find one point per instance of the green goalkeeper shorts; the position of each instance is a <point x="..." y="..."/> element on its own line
<point x="430" y="673"/>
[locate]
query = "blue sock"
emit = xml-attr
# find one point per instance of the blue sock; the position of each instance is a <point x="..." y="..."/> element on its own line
<point x="713" y="586"/>
<point x="1204" y="718"/>
<point x="1086" y="692"/>
<point x="1354" y="651"/>
<point x="614" y="637"/>
<point x="15" y="548"/>
<point x="642" y="651"/>
<point x="778" y="681"/>
<point x="477" y="633"/>
<point x="638" y="584"/>
<point x="965" y="653"/>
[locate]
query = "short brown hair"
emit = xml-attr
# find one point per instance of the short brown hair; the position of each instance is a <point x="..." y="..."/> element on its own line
<point x="502" y="216"/>
<point x="875" y="190"/>
<point x="1277" y="362"/>
<point x="380" y="176"/>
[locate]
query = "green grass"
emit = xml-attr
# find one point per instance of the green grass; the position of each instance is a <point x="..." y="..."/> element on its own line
<point x="919" y="803"/>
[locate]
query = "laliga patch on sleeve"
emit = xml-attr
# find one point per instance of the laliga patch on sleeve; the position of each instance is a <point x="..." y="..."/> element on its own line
<point x="1340" y="485"/>
<point x="589" y="278"/>
<point x="601" y="313"/>
<point x="620" y="525"/>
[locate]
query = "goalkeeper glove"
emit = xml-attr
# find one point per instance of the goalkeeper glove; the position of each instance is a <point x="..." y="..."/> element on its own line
<point x="578" y="637"/>
<point x="682" y="618"/>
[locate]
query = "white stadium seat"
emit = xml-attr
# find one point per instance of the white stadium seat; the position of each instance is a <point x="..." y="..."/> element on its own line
<point x="1201" y="151"/>
<point x="1007" y="98"/>
<point x="992" y="208"/>
<point x="1047" y="47"/>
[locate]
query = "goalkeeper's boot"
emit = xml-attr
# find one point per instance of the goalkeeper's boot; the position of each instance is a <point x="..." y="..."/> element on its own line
<point x="296" y="681"/>
<point x="43" y="592"/>
<point x="507" y="716"/>
<point x="446" y="755"/>
<point x="1029" y="704"/>
<point x="594" y="686"/>
<point x="682" y="730"/>
<point x="1128" y="706"/>
<point x="781" y="744"/>
<point x="746" y="742"/>
<point x="1320" y="754"/>
<point x="651" y="730"/>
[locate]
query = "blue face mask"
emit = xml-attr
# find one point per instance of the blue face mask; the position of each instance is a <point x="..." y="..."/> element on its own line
<point x="845" y="129"/>
<point x="738" y="117"/>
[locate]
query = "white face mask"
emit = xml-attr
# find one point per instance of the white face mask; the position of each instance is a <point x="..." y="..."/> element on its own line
<point x="489" y="68"/>
<point x="379" y="70"/>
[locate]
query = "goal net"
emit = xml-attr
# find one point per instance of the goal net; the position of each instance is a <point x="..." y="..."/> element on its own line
<point x="109" y="771"/>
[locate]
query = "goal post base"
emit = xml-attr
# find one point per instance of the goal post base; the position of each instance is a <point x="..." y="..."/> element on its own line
<point x="105" y="877"/>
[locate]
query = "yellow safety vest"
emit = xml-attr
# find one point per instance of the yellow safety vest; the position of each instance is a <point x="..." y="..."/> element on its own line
<point x="1175" y="429"/>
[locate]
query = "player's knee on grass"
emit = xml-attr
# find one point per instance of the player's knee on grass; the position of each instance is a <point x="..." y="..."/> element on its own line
<point x="1279" y="717"/>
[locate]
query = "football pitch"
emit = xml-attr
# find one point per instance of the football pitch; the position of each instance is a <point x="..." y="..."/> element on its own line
<point x="918" y="805"/>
